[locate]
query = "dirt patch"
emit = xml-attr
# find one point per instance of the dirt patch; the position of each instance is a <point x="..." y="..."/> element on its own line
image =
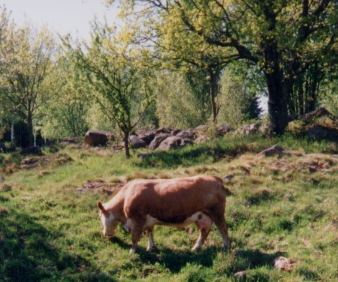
<point x="101" y="186"/>
<point x="53" y="160"/>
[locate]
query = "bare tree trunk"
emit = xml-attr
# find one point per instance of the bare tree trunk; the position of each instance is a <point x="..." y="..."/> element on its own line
<point x="30" y="129"/>
<point x="126" y="144"/>
<point x="213" y="92"/>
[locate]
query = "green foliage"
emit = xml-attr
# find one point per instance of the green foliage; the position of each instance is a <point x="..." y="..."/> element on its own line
<point x="65" y="114"/>
<point x="119" y="81"/>
<point x="237" y="104"/>
<point x="176" y="105"/>
<point x="26" y="61"/>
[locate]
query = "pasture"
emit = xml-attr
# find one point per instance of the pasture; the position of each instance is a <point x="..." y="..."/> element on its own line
<point x="283" y="205"/>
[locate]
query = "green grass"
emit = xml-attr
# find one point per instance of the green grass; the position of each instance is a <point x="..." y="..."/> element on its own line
<point x="51" y="232"/>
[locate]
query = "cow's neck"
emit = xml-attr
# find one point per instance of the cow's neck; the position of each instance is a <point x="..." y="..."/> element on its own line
<point x="115" y="206"/>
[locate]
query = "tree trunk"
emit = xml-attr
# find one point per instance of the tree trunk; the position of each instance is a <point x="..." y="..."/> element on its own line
<point x="277" y="103"/>
<point x="214" y="88"/>
<point x="30" y="129"/>
<point x="126" y="144"/>
<point x="278" y="88"/>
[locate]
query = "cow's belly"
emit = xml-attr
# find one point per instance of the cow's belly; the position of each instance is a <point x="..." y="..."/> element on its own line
<point x="199" y="218"/>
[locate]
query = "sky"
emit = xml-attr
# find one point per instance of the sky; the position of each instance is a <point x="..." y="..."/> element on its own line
<point x="60" y="16"/>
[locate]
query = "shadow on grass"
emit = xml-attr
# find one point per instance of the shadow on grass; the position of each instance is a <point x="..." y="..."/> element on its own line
<point x="192" y="155"/>
<point x="174" y="260"/>
<point x="26" y="253"/>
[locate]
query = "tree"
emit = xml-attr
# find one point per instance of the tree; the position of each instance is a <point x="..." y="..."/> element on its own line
<point x="66" y="112"/>
<point x="283" y="38"/>
<point x="120" y="83"/>
<point x="26" y="61"/>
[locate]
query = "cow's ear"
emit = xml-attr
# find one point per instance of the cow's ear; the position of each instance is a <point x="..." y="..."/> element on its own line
<point x="101" y="207"/>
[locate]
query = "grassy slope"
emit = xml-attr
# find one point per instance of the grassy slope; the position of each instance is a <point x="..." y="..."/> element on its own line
<point x="49" y="231"/>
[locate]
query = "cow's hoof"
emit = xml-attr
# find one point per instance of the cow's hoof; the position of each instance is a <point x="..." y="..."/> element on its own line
<point x="196" y="249"/>
<point x="132" y="251"/>
<point x="152" y="249"/>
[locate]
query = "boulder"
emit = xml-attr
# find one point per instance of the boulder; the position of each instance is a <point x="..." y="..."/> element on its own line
<point x="202" y="139"/>
<point x="136" y="142"/>
<point x="320" y="112"/>
<point x="319" y="132"/>
<point x="240" y="275"/>
<point x="146" y="135"/>
<point x="163" y="130"/>
<point x="186" y="134"/>
<point x="28" y="163"/>
<point x="96" y="138"/>
<point x="157" y="140"/>
<point x="173" y="142"/>
<point x="284" y="264"/>
<point x="223" y="129"/>
<point x="274" y="150"/>
<point x="249" y="129"/>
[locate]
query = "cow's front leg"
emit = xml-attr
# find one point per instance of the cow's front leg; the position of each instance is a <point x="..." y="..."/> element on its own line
<point x="136" y="233"/>
<point x="151" y="244"/>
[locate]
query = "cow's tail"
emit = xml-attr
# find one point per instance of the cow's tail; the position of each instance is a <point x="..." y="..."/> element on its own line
<point x="226" y="190"/>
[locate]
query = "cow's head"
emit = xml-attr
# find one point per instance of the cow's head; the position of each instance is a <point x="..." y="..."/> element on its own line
<point x="108" y="220"/>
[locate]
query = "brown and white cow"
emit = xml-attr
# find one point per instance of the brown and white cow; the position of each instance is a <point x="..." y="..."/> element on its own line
<point x="143" y="203"/>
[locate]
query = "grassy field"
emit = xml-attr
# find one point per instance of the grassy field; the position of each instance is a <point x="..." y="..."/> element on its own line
<point x="49" y="231"/>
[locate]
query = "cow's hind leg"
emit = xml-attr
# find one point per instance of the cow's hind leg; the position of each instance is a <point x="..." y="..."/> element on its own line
<point x="136" y="233"/>
<point x="151" y="244"/>
<point x="204" y="224"/>
<point x="218" y="217"/>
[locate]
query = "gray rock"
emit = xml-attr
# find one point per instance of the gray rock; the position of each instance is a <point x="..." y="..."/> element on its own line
<point x="240" y="275"/>
<point x="136" y="142"/>
<point x="223" y="129"/>
<point x="186" y="134"/>
<point x="274" y="150"/>
<point x="157" y="140"/>
<point x="146" y="135"/>
<point x="173" y="142"/>
<point x="319" y="132"/>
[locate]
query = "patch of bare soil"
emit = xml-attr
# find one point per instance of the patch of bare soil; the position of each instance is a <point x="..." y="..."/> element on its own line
<point x="101" y="186"/>
<point x="43" y="161"/>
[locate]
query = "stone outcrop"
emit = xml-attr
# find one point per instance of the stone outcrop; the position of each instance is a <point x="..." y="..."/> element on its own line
<point x="96" y="138"/>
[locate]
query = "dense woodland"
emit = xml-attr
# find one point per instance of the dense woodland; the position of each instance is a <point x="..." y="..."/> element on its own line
<point x="171" y="63"/>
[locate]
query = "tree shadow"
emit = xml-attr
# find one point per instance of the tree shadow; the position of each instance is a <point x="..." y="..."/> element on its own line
<point x="26" y="253"/>
<point x="175" y="260"/>
<point x="187" y="156"/>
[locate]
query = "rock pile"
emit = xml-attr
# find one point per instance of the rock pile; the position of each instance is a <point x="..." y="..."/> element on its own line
<point x="170" y="138"/>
